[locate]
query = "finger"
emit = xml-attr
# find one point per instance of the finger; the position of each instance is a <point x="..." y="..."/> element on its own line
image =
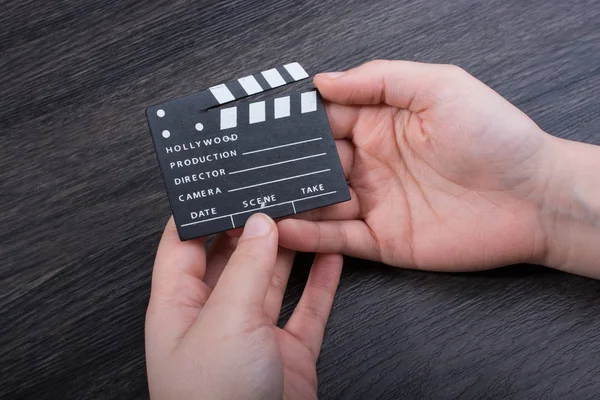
<point x="218" y="255"/>
<point x="177" y="291"/>
<point x="309" y="319"/>
<point x="279" y="281"/>
<point x="246" y="278"/>
<point x="401" y="84"/>
<point x="342" y="119"/>
<point x="353" y="238"/>
<point x="345" y="150"/>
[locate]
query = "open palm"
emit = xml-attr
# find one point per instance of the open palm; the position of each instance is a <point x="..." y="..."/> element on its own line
<point x="444" y="173"/>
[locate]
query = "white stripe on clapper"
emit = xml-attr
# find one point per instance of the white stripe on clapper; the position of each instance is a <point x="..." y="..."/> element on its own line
<point x="308" y="102"/>
<point x="229" y="118"/>
<point x="273" y="77"/>
<point x="250" y="85"/>
<point x="257" y="112"/>
<point x="296" y="71"/>
<point x="222" y="93"/>
<point x="282" y="107"/>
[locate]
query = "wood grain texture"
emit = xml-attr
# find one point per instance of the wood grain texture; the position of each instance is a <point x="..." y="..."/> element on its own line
<point x="83" y="204"/>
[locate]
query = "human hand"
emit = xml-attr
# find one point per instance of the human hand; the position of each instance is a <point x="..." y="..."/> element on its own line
<point x="211" y="323"/>
<point x="445" y="174"/>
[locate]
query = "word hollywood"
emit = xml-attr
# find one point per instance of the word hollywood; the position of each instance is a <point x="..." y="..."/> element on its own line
<point x="198" y="143"/>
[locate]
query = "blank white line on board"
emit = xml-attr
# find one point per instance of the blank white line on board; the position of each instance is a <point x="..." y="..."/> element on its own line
<point x="283" y="145"/>
<point x="278" y="163"/>
<point x="279" y="180"/>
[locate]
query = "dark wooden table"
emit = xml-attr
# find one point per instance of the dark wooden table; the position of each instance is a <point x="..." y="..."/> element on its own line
<point x="83" y="203"/>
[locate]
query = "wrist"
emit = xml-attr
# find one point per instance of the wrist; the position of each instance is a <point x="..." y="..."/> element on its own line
<point x="570" y="211"/>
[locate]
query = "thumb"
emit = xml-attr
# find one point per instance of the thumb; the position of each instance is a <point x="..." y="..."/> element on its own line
<point x="246" y="277"/>
<point x="401" y="84"/>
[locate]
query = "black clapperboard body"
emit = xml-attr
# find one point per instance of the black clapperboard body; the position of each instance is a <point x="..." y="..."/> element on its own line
<point x="222" y="163"/>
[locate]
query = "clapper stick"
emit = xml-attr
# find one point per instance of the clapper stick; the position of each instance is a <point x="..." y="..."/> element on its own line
<point x="222" y="163"/>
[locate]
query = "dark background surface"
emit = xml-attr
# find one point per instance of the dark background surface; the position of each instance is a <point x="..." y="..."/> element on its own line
<point x="83" y="203"/>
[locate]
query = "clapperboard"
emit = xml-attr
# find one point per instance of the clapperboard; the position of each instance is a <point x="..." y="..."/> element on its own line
<point x="221" y="163"/>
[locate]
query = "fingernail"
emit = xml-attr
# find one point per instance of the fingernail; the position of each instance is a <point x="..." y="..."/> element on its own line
<point x="332" y="75"/>
<point x="257" y="225"/>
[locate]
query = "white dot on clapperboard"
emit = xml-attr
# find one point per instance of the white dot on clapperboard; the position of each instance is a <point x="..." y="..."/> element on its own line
<point x="160" y="113"/>
<point x="166" y="134"/>
<point x="199" y="126"/>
